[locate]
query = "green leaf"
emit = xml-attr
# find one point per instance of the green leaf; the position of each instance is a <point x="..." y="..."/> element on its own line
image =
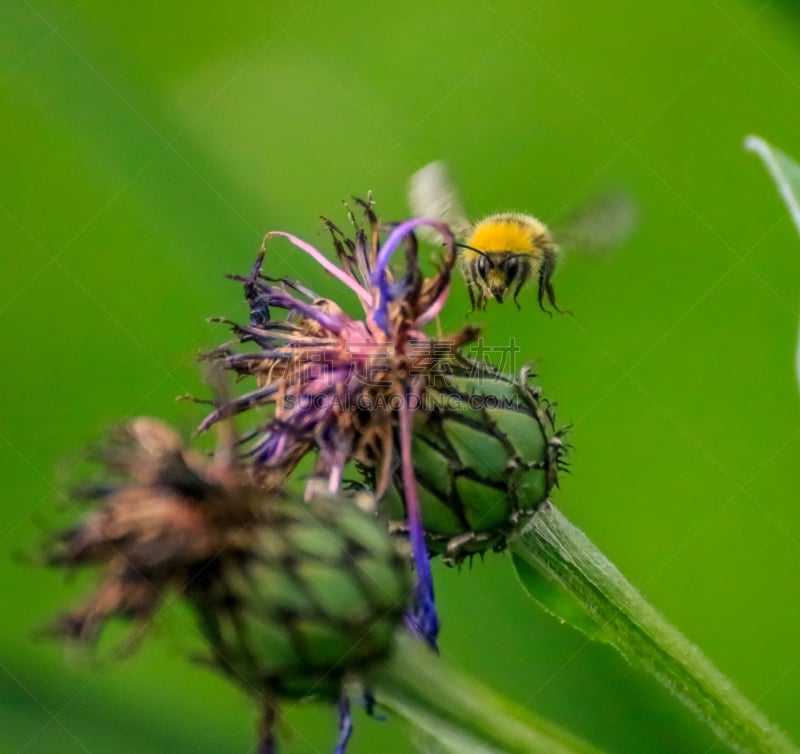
<point x="784" y="171"/>
<point x="786" y="174"/>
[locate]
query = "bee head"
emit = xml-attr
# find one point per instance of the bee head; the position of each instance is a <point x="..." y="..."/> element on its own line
<point x="494" y="272"/>
<point x="497" y="283"/>
<point x="497" y="271"/>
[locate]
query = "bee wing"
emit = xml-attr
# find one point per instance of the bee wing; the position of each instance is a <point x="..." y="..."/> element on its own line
<point x="600" y="226"/>
<point x="431" y="194"/>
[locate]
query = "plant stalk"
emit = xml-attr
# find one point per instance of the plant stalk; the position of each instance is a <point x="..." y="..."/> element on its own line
<point x="458" y="712"/>
<point x="571" y="578"/>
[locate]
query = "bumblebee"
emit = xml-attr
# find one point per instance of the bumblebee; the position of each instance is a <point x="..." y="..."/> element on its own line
<point x="502" y="252"/>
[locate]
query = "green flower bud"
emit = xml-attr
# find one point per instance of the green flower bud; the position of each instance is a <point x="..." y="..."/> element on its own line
<point x="291" y="595"/>
<point x="319" y="594"/>
<point x="486" y="455"/>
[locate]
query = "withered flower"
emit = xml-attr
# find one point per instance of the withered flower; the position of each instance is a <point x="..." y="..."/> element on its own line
<point x="293" y="597"/>
<point x="341" y="386"/>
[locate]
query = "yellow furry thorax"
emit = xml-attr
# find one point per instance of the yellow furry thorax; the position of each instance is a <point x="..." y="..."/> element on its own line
<point x="508" y="231"/>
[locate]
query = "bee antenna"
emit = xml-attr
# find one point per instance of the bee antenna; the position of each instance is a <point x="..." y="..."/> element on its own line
<point x="472" y="248"/>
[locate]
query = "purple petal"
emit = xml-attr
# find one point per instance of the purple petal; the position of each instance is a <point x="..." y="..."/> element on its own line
<point x="345" y="724"/>
<point x="433" y="310"/>
<point x="331" y="322"/>
<point x="382" y="262"/>
<point x="423" y="619"/>
<point x="348" y="280"/>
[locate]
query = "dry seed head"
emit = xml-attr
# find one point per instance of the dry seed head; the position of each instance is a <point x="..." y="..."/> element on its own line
<point x="290" y="595"/>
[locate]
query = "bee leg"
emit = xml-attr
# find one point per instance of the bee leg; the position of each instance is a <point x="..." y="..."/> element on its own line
<point x="524" y="276"/>
<point x="551" y="297"/>
<point x="542" y="286"/>
<point x="471" y="297"/>
<point x="472" y="286"/>
<point x="545" y="284"/>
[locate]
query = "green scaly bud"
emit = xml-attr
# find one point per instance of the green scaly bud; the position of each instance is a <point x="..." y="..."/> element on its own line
<point x="319" y="595"/>
<point x="486" y="456"/>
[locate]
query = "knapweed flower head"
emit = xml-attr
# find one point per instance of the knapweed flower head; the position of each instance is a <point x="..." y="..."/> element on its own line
<point x="338" y="384"/>
<point x="347" y="388"/>
<point x="292" y="597"/>
<point x="378" y="391"/>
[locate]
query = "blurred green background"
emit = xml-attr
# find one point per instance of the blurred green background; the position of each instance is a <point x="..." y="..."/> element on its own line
<point x="145" y="149"/>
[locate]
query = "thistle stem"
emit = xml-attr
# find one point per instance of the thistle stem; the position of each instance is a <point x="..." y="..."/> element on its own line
<point x="572" y="579"/>
<point x="461" y="714"/>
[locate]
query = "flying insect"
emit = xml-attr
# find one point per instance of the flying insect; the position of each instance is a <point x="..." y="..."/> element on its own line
<point x="504" y="251"/>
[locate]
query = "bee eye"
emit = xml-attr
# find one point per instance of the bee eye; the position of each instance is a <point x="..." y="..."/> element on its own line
<point x="483" y="266"/>
<point x="511" y="266"/>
